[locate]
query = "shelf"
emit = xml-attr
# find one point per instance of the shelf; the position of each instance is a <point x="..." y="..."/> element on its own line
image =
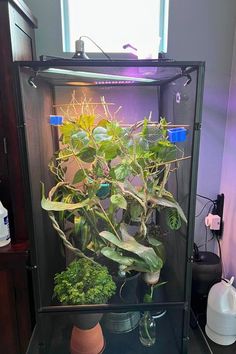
<point x="58" y="330"/>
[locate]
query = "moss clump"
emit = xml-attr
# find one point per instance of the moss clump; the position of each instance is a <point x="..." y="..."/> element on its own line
<point x="84" y="282"/>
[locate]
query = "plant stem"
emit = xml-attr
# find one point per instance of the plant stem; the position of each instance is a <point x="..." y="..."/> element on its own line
<point x="109" y="221"/>
<point x="146" y="314"/>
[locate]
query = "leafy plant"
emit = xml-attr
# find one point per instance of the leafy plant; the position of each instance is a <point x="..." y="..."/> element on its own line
<point x="84" y="282"/>
<point x="128" y="167"/>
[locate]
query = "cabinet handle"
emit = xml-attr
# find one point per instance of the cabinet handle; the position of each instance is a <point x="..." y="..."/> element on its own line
<point x="5" y="145"/>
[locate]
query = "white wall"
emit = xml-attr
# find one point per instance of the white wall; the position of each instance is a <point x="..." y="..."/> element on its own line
<point x="48" y="35"/>
<point x="198" y="30"/>
<point x="204" y="30"/>
<point x="228" y="180"/>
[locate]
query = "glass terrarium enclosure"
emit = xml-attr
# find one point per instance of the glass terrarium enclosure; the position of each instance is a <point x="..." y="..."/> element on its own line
<point x="110" y="154"/>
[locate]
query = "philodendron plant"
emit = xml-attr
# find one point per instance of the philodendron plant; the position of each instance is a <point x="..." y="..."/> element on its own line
<point x="111" y="178"/>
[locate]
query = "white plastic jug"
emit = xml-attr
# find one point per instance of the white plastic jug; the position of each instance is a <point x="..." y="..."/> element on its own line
<point x="5" y="238"/>
<point x="221" y="313"/>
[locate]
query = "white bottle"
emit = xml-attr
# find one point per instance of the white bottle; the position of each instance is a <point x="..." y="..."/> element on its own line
<point x="5" y="238"/>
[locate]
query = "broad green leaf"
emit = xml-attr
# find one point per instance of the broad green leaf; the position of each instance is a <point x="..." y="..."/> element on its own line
<point x="158" y="247"/>
<point x="49" y="205"/>
<point x="132" y="263"/>
<point x="67" y="129"/>
<point x="116" y="256"/>
<point x="79" y="176"/>
<point x="86" y="122"/>
<point x="100" y="134"/>
<point x="87" y="154"/>
<point x="166" y="151"/>
<point x="114" y="129"/>
<point x="172" y="204"/>
<point x="109" y="149"/>
<point x="119" y="201"/>
<point x="147" y="254"/>
<point x="154" y="242"/>
<point x="79" y="139"/>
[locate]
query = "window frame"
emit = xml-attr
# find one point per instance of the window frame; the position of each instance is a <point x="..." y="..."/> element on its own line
<point x="163" y="26"/>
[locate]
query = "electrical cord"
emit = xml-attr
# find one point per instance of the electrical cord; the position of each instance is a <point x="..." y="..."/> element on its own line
<point x="106" y="55"/>
<point x="202" y="196"/>
<point x="201" y="211"/>
<point x="204" y="244"/>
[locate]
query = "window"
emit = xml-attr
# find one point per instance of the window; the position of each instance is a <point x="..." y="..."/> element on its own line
<point x="114" y="23"/>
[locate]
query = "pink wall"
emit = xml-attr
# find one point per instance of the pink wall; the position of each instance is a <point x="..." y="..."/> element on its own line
<point x="228" y="180"/>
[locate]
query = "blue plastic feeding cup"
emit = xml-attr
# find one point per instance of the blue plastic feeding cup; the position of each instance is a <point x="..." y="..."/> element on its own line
<point x="55" y="120"/>
<point x="176" y="135"/>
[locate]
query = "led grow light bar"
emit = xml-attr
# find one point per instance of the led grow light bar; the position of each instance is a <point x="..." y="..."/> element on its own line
<point x="97" y="76"/>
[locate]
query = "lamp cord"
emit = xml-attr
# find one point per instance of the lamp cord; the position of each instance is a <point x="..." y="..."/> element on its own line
<point x="106" y="55"/>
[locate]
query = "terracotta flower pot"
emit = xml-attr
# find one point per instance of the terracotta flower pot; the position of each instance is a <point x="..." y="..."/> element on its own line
<point x="87" y="341"/>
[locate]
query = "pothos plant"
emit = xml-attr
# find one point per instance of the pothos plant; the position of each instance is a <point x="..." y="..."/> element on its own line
<point x="108" y="177"/>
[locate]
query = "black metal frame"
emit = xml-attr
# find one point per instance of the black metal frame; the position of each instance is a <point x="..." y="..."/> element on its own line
<point x="186" y="67"/>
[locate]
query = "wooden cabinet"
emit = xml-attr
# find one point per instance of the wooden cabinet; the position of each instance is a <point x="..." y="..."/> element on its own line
<point x="16" y="43"/>
<point x="15" y="317"/>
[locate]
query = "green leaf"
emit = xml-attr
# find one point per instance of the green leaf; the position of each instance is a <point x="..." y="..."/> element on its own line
<point x="147" y="254"/>
<point x="122" y="171"/>
<point x="110" y="150"/>
<point x="114" y="129"/>
<point x="100" y="134"/>
<point x="67" y="129"/>
<point x="86" y="122"/>
<point x="79" y="176"/>
<point x="172" y="204"/>
<point x="87" y="154"/>
<point x="119" y="201"/>
<point x="158" y="247"/>
<point x="144" y="131"/>
<point x="159" y="284"/>
<point x="165" y="150"/>
<point x="49" y="205"/>
<point x="173" y="219"/>
<point x="116" y="256"/>
<point x="135" y="210"/>
<point x="82" y="231"/>
<point x="132" y="263"/>
<point x="79" y="139"/>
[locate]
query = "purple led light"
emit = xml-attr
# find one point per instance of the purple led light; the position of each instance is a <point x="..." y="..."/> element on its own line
<point x="116" y="82"/>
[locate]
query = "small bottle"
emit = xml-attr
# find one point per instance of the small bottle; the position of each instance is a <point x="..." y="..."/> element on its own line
<point x="5" y="238"/>
<point x="147" y="329"/>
